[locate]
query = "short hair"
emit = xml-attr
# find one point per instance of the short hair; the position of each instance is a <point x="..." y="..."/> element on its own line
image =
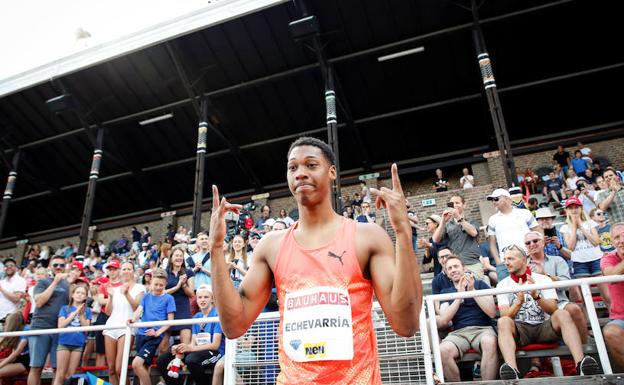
<point x="615" y="225"/>
<point x="578" y="152"/>
<point x="202" y="233"/>
<point x="327" y="151"/>
<point x="459" y="196"/>
<point x="607" y="169"/>
<point x="453" y="256"/>
<point x="159" y="273"/>
<point x="533" y="200"/>
<point x="7" y="260"/>
<point x="536" y="233"/>
<point x="57" y="257"/>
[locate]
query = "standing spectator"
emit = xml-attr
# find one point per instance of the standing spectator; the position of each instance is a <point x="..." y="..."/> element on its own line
<point x="71" y="345"/>
<point x="611" y="198"/>
<point x="170" y="234"/>
<point x="414" y="224"/>
<point x="50" y="295"/>
<point x="507" y="227"/>
<point x="431" y="248"/>
<point x="586" y="152"/>
<point x="283" y="216"/>
<point x="613" y="264"/>
<point x="265" y="214"/>
<point x="17" y="362"/>
<point x="461" y="234"/>
<point x="144" y="255"/>
<point x="146" y="237"/>
<point x="466" y="181"/>
<point x="553" y="187"/>
<point x="103" y="298"/>
<point x="180" y="285"/>
<point x="589" y="176"/>
<point x="572" y="179"/>
<point x="582" y="238"/>
<point x="366" y="194"/>
<point x="533" y="318"/>
<point x="586" y="195"/>
<point x="136" y="238"/>
<point x="604" y="230"/>
<point x="200" y="261"/>
<point x="440" y="183"/>
<point x="579" y="164"/>
<point x="124" y="300"/>
<point x="237" y="259"/>
<point x="472" y="324"/>
<point x="562" y="158"/>
<point x="367" y="216"/>
<point x="12" y="288"/>
<point x="556" y="269"/>
<point x="182" y="235"/>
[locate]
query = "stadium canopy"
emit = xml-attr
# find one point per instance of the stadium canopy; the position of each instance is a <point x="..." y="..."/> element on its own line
<point x="557" y="66"/>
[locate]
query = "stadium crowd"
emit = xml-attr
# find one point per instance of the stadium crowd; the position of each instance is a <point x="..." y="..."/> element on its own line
<point x="148" y="277"/>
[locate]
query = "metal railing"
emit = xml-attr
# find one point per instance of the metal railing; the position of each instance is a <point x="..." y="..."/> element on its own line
<point x="584" y="283"/>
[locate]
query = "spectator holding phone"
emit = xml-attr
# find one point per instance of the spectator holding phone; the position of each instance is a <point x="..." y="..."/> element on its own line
<point x="554" y="243"/>
<point x="440" y="183"/>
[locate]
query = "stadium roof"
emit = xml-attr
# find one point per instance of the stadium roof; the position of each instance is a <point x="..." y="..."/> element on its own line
<point x="556" y="64"/>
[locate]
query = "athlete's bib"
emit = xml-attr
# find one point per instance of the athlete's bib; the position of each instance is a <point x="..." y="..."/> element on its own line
<point x="203" y="339"/>
<point x="317" y="325"/>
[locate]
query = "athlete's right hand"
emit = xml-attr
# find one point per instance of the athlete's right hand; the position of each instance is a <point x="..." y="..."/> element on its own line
<point x="217" y="218"/>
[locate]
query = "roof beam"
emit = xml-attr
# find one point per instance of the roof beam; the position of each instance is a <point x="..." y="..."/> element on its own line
<point x="295" y="71"/>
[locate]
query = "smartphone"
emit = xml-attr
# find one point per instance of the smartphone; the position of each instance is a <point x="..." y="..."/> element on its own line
<point x="451" y="205"/>
<point x="550" y="232"/>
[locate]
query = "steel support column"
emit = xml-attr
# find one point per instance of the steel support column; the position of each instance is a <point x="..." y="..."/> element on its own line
<point x="93" y="177"/>
<point x="8" y="190"/>
<point x="199" y="167"/>
<point x="491" y="92"/>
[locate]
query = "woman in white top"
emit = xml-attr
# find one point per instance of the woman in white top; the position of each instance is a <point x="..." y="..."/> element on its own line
<point x="283" y="216"/>
<point x="122" y="303"/>
<point x="237" y="259"/>
<point x="581" y="236"/>
<point x="572" y="179"/>
<point x="467" y="180"/>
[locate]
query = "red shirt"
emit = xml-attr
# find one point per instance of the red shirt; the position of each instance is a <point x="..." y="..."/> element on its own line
<point x="103" y="289"/>
<point x="616" y="289"/>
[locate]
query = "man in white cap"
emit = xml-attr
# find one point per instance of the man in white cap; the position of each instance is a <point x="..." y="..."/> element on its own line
<point x="507" y="227"/>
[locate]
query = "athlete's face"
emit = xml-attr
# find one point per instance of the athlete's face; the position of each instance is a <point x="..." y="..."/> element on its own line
<point x="309" y="174"/>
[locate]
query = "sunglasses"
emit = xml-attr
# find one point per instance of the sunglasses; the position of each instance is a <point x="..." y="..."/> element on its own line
<point x="59" y="265"/>
<point x="494" y="199"/>
<point x="600" y="214"/>
<point x="532" y="241"/>
<point x="514" y="247"/>
<point x="10" y="266"/>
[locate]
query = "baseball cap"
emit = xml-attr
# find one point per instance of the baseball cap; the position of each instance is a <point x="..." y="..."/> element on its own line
<point x="499" y="192"/>
<point x="100" y="281"/>
<point x="515" y="190"/>
<point x="544" y="212"/>
<point x="113" y="264"/>
<point x="77" y="265"/>
<point x="144" y="244"/>
<point x="148" y="272"/>
<point x="269" y="222"/>
<point x="204" y="287"/>
<point x="83" y="279"/>
<point x="435" y="217"/>
<point x="572" y="201"/>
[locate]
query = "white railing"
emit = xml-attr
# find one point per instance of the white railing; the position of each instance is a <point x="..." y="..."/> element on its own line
<point x="587" y="299"/>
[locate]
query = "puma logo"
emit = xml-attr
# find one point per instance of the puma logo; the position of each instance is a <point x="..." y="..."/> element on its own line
<point x="338" y="257"/>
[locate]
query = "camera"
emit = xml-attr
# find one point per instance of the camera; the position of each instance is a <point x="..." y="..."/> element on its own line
<point x="451" y="205"/>
<point x="240" y="224"/>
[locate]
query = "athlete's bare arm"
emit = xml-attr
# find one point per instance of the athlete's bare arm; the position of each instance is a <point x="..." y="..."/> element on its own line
<point x="394" y="270"/>
<point x="237" y="309"/>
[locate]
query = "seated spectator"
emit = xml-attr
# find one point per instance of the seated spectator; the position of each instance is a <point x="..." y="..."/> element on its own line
<point x="589" y="176"/>
<point x="182" y="235"/>
<point x="440" y="183"/>
<point x="554" y="243"/>
<point x="553" y="187"/>
<point x="442" y="280"/>
<point x="466" y="181"/>
<point x="283" y="216"/>
<point x="533" y="317"/>
<point x="279" y="225"/>
<point x="265" y="214"/>
<point x="531" y="179"/>
<point x="613" y="264"/>
<point x="579" y="164"/>
<point x="367" y="216"/>
<point x="604" y="230"/>
<point x="572" y="179"/>
<point x="586" y="152"/>
<point x="357" y="200"/>
<point x="17" y="360"/>
<point x="431" y="248"/>
<point x="472" y="323"/>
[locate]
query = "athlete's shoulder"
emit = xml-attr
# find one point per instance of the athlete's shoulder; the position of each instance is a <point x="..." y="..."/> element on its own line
<point x="269" y="244"/>
<point x="370" y="234"/>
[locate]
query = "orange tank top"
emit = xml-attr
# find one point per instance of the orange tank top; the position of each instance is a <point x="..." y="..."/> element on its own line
<point x="326" y="334"/>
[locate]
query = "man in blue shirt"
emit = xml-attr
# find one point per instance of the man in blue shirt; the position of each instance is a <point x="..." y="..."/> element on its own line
<point x="472" y="323"/>
<point x="578" y="163"/>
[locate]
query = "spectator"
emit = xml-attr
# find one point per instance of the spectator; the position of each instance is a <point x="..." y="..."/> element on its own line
<point x="124" y="300"/>
<point x="265" y="213"/>
<point x="103" y="297"/>
<point x="431" y="248"/>
<point x="562" y="158"/>
<point x="586" y="195"/>
<point x="169" y="237"/>
<point x="613" y="264"/>
<point x="254" y="238"/>
<point x="357" y="200"/>
<point x="442" y="280"/>
<point x="440" y="183"/>
<point x="283" y="216"/>
<point x="144" y="255"/>
<point x="572" y="179"/>
<point x="366" y="194"/>
<point x="556" y="269"/>
<point x="507" y="227"/>
<point x="155" y="306"/>
<point x="136" y="238"/>
<point x="472" y="323"/>
<point x="181" y="286"/>
<point x="199" y="262"/>
<point x="466" y="181"/>
<point x="461" y="235"/>
<point x="530" y="179"/>
<point x="589" y="176"/>
<point x="236" y="258"/>
<point x="552" y="188"/>
<point x="579" y="164"/>
<point x="604" y="230"/>
<point x="582" y="238"/>
<point x="50" y="295"/>
<point x="585" y="151"/>
<point x="279" y="225"/>
<point x="611" y="198"/>
<point x="12" y="288"/>
<point x="182" y="235"/>
<point x="163" y="257"/>
<point x="414" y="224"/>
<point x="268" y="225"/>
<point x="533" y="317"/>
<point x="553" y="240"/>
<point x="366" y="216"/>
<point x="71" y="345"/>
<point x="18" y="360"/>
<point x="146" y="237"/>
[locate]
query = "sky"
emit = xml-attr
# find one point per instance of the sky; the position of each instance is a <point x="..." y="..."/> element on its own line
<point x="36" y="32"/>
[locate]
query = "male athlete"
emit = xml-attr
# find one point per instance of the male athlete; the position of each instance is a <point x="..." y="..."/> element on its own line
<point x="325" y="268"/>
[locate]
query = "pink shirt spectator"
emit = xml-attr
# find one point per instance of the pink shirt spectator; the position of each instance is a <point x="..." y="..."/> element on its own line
<point x="615" y="289"/>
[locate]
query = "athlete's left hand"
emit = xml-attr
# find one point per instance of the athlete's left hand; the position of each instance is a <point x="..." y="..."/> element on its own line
<point x="393" y="201"/>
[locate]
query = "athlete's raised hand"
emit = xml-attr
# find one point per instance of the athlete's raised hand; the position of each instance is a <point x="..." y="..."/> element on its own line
<point x="217" y="218"/>
<point x="393" y="201"/>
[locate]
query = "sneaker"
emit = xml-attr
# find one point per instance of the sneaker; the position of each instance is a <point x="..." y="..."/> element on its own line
<point x="588" y="367"/>
<point x="507" y="372"/>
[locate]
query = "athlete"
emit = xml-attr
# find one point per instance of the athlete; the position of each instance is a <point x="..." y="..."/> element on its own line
<point x="326" y="268"/>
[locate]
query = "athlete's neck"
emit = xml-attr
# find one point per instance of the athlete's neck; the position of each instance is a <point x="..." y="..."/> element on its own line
<point x="316" y="216"/>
